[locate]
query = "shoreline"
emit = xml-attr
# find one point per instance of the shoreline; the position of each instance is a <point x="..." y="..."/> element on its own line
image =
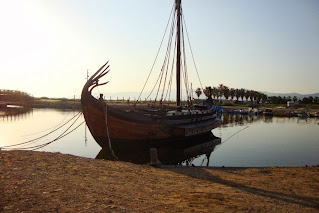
<point x="278" y="112"/>
<point x="75" y="104"/>
<point x="41" y="181"/>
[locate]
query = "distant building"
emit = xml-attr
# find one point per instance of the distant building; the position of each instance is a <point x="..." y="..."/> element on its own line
<point x="290" y="103"/>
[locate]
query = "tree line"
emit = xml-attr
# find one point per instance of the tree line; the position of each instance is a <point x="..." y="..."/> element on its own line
<point x="15" y="96"/>
<point x="250" y="95"/>
<point x="284" y="100"/>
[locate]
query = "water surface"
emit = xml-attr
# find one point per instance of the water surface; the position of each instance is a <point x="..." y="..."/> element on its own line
<point x="244" y="141"/>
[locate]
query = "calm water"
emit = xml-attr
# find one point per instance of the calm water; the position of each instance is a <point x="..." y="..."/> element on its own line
<point x="243" y="141"/>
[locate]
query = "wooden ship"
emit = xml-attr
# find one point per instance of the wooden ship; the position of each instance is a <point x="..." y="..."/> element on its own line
<point x="140" y="123"/>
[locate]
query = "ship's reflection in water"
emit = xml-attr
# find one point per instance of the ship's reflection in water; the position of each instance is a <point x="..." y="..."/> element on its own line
<point x="175" y="152"/>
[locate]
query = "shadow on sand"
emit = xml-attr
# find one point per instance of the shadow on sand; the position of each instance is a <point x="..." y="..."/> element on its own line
<point x="204" y="174"/>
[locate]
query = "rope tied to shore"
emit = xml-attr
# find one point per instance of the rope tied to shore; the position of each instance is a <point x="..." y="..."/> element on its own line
<point x="108" y="135"/>
<point x="36" y="147"/>
<point x="235" y="134"/>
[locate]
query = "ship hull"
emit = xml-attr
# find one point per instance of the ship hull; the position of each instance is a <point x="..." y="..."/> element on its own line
<point x="108" y="122"/>
<point x="140" y="124"/>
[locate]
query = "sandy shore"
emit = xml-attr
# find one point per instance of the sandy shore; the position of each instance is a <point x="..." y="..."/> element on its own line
<point x="52" y="182"/>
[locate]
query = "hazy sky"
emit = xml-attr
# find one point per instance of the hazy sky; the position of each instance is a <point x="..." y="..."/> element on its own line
<point x="46" y="46"/>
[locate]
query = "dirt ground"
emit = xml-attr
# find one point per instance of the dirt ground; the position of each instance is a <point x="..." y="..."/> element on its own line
<point x="53" y="182"/>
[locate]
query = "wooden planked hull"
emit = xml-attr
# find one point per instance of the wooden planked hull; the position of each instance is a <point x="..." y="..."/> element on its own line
<point x="125" y="130"/>
<point x="120" y="129"/>
<point x="122" y="126"/>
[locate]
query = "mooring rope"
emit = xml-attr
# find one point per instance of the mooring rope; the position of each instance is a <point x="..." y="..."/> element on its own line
<point x="30" y="141"/>
<point x="14" y="147"/>
<point x="58" y="138"/>
<point x="71" y="110"/>
<point x="234" y="134"/>
<point x="108" y="135"/>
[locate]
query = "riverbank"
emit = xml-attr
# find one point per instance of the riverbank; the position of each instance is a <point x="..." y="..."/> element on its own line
<point x="278" y="111"/>
<point x="57" y="104"/>
<point x="39" y="181"/>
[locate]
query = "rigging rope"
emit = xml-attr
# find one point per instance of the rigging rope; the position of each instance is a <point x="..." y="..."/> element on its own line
<point x="171" y="77"/>
<point x="168" y="53"/>
<point x="166" y="60"/>
<point x="154" y="86"/>
<point x="192" y="53"/>
<point x="161" y="83"/>
<point x="139" y="97"/>
<point x="185" y="67"/>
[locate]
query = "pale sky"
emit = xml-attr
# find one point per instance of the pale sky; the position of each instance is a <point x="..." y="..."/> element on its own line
<point x="46" y="46"/>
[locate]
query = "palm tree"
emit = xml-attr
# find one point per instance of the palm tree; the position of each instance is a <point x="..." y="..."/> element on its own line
<point x="207" y="91"/>
<point x="237" y="94"/>
<point x="247" y="94"/>
<point x="198" y="92"/>
<point x="215" y="92"/>
<point x="220" y="90"/>
<point x="310" y="98"/>
<point x="226" y="92"/>
<point x="242" y="93"/>
<point x="258" y="97"/>
<point x="253" y="95"/>
<point x="232" y="93"/>
<point x="264" y="97"/>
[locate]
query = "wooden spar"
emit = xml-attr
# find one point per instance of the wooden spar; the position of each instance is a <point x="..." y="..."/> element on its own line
<point x="178" y="59"/>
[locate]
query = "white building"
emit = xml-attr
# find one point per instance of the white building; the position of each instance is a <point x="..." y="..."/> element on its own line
<point x="290" y="103"/>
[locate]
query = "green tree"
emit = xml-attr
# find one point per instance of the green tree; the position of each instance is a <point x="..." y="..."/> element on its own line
<point x="198" y="92"/>
<point x="208" y="91"/>
<point x="237" y="94"/>
<point x="264" y="98"/>
<point x="226" y="92"/>
<point x="247" y="94"/>
<point x="232" y="93"/>
<point x="215" y="92"/>
<point x="257" y="96"/>
<point x="220" y="90"/>
<point x="242" y="93"/>
<point x="252" y="95"/>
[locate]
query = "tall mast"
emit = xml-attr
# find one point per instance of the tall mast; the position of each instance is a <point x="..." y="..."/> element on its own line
<point x="178" y="59"/>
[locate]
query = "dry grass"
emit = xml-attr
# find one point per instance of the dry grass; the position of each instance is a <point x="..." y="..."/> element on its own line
<point x="38" y="182"/>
